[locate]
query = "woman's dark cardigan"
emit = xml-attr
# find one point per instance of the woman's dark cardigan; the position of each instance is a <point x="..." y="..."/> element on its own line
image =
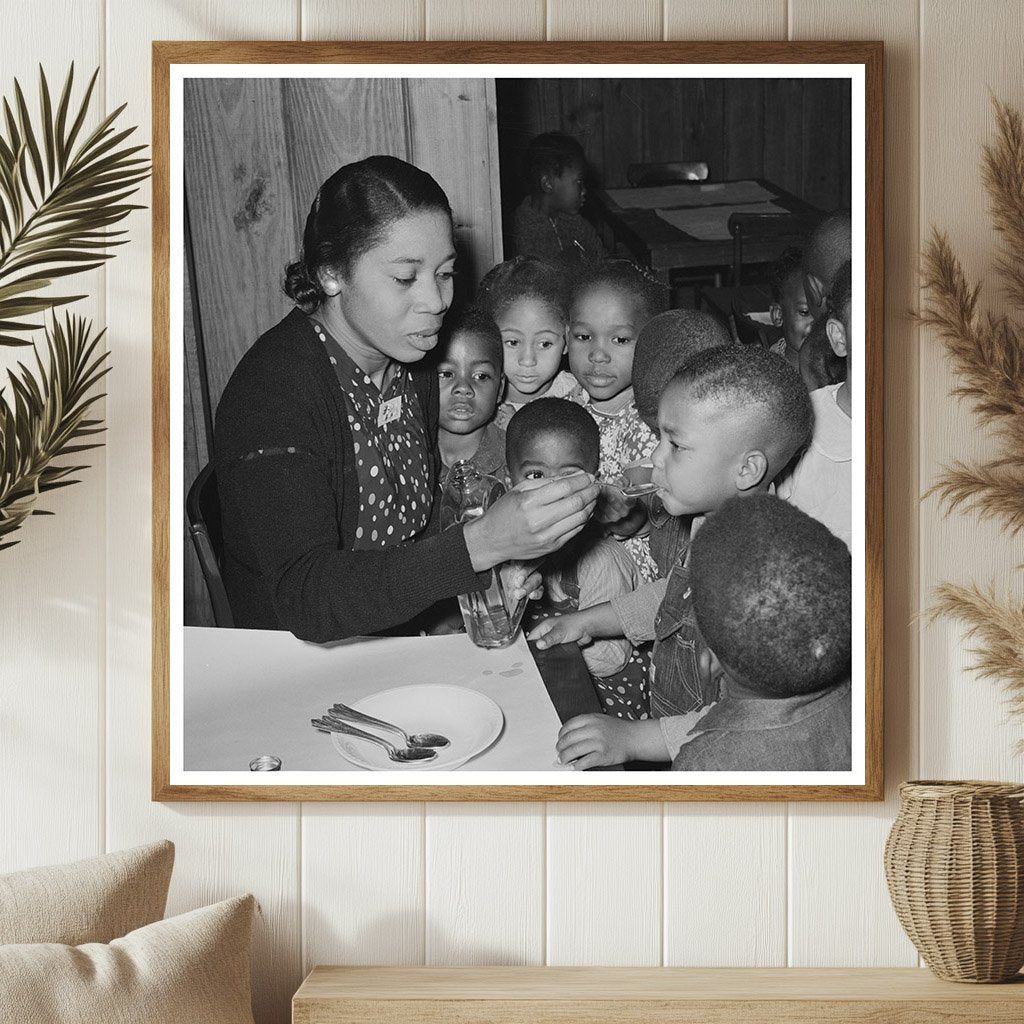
<point x="290" y="513"/>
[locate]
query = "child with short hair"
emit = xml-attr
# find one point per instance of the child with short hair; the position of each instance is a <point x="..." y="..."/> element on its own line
<point x="822" y="482"/>
<point x="611" y="303"/>
<point x="772" y="594"/>
<point x="548" y="224"/>
<point x="790" y="310"/>
<point x="730" y="420"/>
<point x="547" y="439"/>
<point x="469" y="374"/>
<point x="667" y="342"/>
<point x="527" y="298"/>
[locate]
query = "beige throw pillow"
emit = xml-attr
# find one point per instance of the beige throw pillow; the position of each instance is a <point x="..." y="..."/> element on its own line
<point x="190" y="969"/>
<point x="92" y="900"/>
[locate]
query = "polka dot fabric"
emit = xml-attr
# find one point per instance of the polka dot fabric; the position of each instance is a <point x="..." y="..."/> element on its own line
<point x="625" y="438"/>
<point x="391" y="460"/>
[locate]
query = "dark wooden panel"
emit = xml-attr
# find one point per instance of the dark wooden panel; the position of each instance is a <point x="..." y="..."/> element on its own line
<point x="663" y="120"/>
<point x="783" y="134"/>
<point x="623" y="133"/>
<point x="240" y="203"/>
<point x="826" y="120"/>
<point x="743" y="129"/>
<point x="709" y="138"/>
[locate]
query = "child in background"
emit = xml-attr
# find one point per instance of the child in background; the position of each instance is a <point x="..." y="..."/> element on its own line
<point x="666" y="342"/>
<point x="547" y="439"/>
<point x="790" y="310"/>
<point x="822" y="482"/>
<point x="469" y="375"/>
<point x="527" y="299"/>
<point x="772" y="593"/>
<point x="730" y="420"/>
<point x="828" y="247"/>
<point x="611" y="303"/>
<point x="547" y="224"/>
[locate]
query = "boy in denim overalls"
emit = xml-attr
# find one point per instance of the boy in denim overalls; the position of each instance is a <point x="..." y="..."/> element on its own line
<point x="729" y="420"/>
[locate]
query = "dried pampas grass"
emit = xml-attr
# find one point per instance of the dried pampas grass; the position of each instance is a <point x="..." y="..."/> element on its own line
<point x="987" y="353"/>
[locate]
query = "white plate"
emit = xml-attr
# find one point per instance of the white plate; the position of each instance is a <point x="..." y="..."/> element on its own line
<point x="471" y="720"/>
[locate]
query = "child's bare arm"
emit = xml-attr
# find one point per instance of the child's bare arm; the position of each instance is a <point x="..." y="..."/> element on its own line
<point x="593" y="741"/>
<point x="582" y="626"/>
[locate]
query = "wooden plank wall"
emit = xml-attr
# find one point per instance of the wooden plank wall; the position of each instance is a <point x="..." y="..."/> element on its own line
<point x="512" y="883"/>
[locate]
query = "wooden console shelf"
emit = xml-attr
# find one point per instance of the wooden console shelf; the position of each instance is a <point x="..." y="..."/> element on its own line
<point x="647" y="995"/>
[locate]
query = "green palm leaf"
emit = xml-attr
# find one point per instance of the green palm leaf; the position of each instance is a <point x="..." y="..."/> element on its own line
<point x="62" y="189"/>
<point x="45" y="419"/>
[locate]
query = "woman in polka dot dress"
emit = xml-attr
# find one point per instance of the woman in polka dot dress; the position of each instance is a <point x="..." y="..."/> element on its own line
<point x="326" y="434"/>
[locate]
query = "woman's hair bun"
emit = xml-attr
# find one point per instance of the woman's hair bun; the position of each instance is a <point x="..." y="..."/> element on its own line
<point x="301" y="288"/>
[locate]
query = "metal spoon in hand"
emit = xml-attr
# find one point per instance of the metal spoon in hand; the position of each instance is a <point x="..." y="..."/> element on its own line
<point x="343" y="713"/>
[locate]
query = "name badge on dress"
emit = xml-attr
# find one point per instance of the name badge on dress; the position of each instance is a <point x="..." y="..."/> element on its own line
<point x="389" y="410"/>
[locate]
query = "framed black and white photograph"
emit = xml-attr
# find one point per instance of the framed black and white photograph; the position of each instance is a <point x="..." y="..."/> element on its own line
<point x="517" y="421"/>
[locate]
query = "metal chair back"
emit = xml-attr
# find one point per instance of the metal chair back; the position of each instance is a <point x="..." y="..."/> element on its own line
<point x="202" y="509"/>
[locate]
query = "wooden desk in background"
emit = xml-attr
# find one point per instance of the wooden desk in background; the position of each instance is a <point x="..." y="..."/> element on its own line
<point x="684" y="226"/>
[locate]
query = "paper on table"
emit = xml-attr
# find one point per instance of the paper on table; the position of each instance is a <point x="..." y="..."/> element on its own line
<point x="716" y="193"/>
<point x="712" y="223"/>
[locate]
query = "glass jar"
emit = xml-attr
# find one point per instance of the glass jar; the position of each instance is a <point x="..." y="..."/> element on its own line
<point x="467" y="494"/>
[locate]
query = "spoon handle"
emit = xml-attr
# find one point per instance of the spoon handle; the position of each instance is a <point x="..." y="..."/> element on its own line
<point x="336" y="725"/>
<point x="344" y="713"/>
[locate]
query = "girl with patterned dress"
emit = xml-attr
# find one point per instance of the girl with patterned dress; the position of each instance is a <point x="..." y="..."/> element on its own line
<point x="610" y="304"/>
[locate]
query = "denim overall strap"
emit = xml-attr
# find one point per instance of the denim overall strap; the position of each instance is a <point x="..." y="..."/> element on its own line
<point x="676" y="686"/>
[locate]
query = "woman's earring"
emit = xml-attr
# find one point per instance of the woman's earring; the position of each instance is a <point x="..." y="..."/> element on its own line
<point x="329" y="284"/>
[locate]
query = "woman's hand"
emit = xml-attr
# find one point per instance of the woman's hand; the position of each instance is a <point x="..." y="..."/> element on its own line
<point x="613" y="505"/>
<point x="533" y="519"/>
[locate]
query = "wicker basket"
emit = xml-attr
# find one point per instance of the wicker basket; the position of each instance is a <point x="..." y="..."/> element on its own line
<point x="954" y="861"/>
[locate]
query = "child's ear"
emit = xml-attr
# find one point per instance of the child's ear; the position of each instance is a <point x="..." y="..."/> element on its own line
<point x="752" y="470"/>
<point x="775" y="311"/>
<point x="545" y="183"/>
<point x="837" y="337"/>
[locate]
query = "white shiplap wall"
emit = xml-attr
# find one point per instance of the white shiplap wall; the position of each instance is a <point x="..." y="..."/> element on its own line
<point x="509" y="883"/>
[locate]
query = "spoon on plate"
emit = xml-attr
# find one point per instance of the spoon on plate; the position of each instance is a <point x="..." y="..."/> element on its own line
<point x="330" y="725"/>
<point x="343" y="713"/>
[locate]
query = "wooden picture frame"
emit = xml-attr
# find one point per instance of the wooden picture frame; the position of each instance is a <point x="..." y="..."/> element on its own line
<point x="250" y="175"/>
